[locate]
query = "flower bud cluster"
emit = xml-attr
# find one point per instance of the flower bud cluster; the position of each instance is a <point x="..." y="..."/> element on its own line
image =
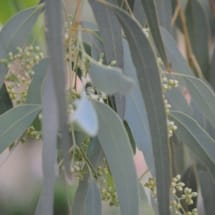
<point x="181" y="196"/>
<point x="168" y="84"/>
<point x="107" y="188"/>
<point x="20" y="65"/>
<point x="171" y="127"/>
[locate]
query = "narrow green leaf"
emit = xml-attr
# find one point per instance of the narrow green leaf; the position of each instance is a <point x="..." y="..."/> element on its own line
<point x="93" y="200"/>
<point x="109" y="28"/>
<point x="87" y="188"/>
<point x="151" y="14"/>
<point x="201" y="94"/>
<point x="109" y="79"/>
<point x="55" y="38"/>
<point x="87" y="198"/>
<point x="3" y="72"/>
<point x="92" y="38"/>
<point x="34" y="91"/>
<point x="117" y="149"/>
<point x="49" y="154"/>
<point x="5" y="101"/>
<point x="164" y="9"/>
<point x="15" y="33"/>
<point x="110" y="31"/>
<point x="17" y="29"/>
<point x="196" y="138"/>
<point x="139" y="12"/>
<point x="207" y="191"/>
<point x="135" y="112"/>
<point x="14" y="122"/>
<point x="212" y="71"/>
<point x="196" y="19"/>
<point x="78" y="206"/>
<point x="149" y="81"/>
<point x="175" y="59"/>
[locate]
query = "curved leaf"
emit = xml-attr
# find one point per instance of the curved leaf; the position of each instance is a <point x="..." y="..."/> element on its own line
<point x="49" y="154"/>
<point x="14" y="122"/>
<point x="201" y="94"/>
<point x="54" y="17"/>
<point x="197" y="139"/>
<point x="109" y="79"/>
<point x="151" y="14"/>
<point x="109" y="28"/>
<point x="117" y="149"/>
<point x="175" y="59"/>
<point x="15" y="33"/>
<point x="164" y="9"/>
<point x="5" y="101"/>
<point x="34" y="91"/>
<point x="135" y="112"/>
<point x="196" y="19"/>
<point x="110" y="31"/>
<point x="93" y="200"/>
<point x="17" y="29"/>
<point x="149" y="81"/>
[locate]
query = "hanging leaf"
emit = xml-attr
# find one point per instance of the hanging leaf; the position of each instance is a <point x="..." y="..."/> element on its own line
<point x="196" y="17"/>
<point x="109" y="79"/>
<point x="109" y="28"/>
<point x="164" y="9"/>
<point x="15" y="33"/>
<point x="34" y="91"/>
<point x="14" y="122"/>
<point x="117" y="149"/>
<point x="17" y="29"/>
<point x="93" y="200"/>
<point x="135" y="112"/>
<point x="55" y="37"/>
<point x="175" y="59"/>
<point x="5" y="101"/>
<point x="196" y="138"/>
<point x="111" y="34"/>
<point x="149" y="81"/>
<point x="49" y="154"/>
<point x="201" y="94"/>
<point x="151" y="14"/>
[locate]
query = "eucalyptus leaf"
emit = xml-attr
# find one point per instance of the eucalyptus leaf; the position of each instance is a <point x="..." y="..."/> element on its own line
<point x="152" y="17"/>
<point x="175" y="59"/>
<point x="109" y="79"/>
<point x="164" y="9"/>
<point x="49" y="154"/>
<point x="34" y="91"/>
<point x="16" y="30"/>
<point x="117" y="149"/>
<point x="196" y="17"/>
<point x="201" y="94"/>
<point x="93" y="200"/>
<point x="212" y="71"/>
<point x="5" y="101"/>
<point x="111" y="34"/>
<point x="151" y="92"/>
<point x="14" y="122"/>
<point x="109" y="28"/>
<point x="55" y="36"/>
<point x="135" y="112"/>
<point x="197" y="139"/>
<point x="15" y="33"/>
